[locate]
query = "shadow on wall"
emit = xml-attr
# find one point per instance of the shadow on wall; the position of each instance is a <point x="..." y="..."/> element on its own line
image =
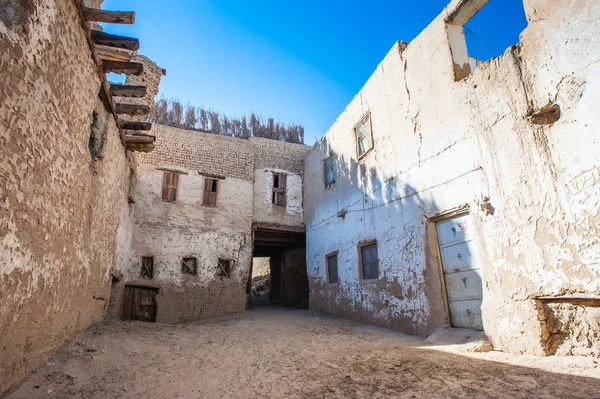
<point x="395" y="213"/>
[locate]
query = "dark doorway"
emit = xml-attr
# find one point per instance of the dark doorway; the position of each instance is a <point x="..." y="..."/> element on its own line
<point x="288" y="281"/>
<point x="139" y="304"/>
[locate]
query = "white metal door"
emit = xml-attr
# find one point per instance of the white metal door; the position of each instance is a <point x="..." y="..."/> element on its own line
<point x="460" y="261"/>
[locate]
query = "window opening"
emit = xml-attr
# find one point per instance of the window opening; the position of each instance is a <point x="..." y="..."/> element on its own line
<point x="364" y="136"/>
<point x="170" y="183"/>
<point x="332" y="268"/>
<point x="224" y="268"/>
<point x="188" y="266"/>
<point x="210" y="192"/>
<point x="369" y="261"/>
<point x="329" y="171"/>
<point x="147" y="267"/>
<point x="279" y="189"/>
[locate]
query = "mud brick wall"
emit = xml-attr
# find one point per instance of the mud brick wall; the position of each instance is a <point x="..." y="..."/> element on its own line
<point x="169" y="231"/>
<point x="64" y="215"/>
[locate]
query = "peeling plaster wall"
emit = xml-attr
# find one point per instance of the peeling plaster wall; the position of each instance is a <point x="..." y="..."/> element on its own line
<point x="64" y="215"/>
<point x="440" y="145"/>
<point x="170" y="231"/>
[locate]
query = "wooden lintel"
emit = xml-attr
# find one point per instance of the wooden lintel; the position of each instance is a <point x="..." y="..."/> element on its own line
<point x="132" y="109"/>
<point x="111" y="17"/>
<point x="113" y="53"/>
<point x="107" y="39"/>
<point x="135" y="139"/>
<point x="128" y="68"/>
<point x="127" y="90"/>
<point x="135" y="125"/>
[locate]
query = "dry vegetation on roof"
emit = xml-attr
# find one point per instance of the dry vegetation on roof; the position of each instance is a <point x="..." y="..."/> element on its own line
<point x="173" y="113"/>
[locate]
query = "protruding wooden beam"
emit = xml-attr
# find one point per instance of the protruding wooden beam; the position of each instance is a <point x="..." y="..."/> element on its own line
<point x="111" y="17"/>
<point x="128" y="68"/>
<point x="107" y="39"/>
<point x="138" y="139"/>
<point x="113" y="53"/>
<point x="127" y="90"/>
<point x="132" y="109"/>
<point x="135" y="125"/>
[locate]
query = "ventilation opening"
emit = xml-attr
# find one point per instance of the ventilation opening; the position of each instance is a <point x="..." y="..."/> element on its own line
<point x="479" y="31"/>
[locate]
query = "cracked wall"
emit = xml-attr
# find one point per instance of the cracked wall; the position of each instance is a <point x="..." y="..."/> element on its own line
<point x="64" y="215"/>
<point x="441" y="145"/>
<point x="169" y="231"/>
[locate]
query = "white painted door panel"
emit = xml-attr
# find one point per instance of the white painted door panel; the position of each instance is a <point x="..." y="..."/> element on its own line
<point x="460" y="263"/>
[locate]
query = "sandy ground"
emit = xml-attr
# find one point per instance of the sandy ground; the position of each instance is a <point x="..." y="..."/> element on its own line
<point x="278" y="352"/>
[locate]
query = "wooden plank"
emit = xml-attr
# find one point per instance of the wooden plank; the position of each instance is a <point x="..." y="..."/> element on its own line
<point x="107" y="39"/>
<point x="135" y="125"/>
<point x="111" y="17"/>
<point x="132" y="109"/>
<point x="134" y="139"/>
<point x="128" y="68"/>
<point x="127" y="90"/>
<point x="113" y="53"/>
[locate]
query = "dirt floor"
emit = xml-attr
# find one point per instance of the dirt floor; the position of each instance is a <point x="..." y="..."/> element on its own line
<point x="277" y="352"/>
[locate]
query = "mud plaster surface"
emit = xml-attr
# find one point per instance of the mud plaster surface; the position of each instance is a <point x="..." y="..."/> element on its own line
<point x="313" y="356"/>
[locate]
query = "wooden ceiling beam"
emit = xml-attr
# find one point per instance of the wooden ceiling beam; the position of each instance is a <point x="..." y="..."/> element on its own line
<point x="138" y="139"/>
<point x="107" y="39"/>
<point x="113" y="53"/>
<point x="135" y="125"/>
<point x="111" y="17"/>
<point x="132" y="109"/>
<point x="121" y="90"/>
<point x="128" y="68"/>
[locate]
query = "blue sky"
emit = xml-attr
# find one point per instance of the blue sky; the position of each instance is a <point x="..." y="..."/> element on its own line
<point x="295" y="61"/>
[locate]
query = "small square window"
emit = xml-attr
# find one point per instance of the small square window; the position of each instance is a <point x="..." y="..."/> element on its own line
<point x="210" y="192"/>
<point x="329" y="167"/>
<point x="369" y="260"/>
<point x="147" y="267"/>
<point x="332" y="268"/>
<point x="279" y="188"/>
<point x="364" y="136"/>
<point x="188" y="266"/>
<point x="224" y="268"/>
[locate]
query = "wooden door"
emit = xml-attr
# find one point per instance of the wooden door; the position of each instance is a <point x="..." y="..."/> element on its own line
<point x="460" y="261"/>
<point x="139" y="304"/>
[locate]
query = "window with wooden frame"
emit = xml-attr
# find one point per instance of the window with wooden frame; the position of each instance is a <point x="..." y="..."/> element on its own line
<point x="188" y="266"/>
<point x="332" y="268"/>
<point x="211" y="187"/>
<point x="279" y="188"/>
<point x="329" y="170"/>
<point x="368" y="260"/>
<point x="169" y="188"/>
<point x="224" y="268"/>
<point x="363" y="135"/>
<point x="147" y="267"/>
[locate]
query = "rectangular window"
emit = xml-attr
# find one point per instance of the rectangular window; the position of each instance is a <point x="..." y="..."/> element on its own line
<point x="147" y="267"/>
<point x="369" y="261"/>
<point x="169" y="189"/>
<point x="210" y="192"/>
<point x="224" y="268"/>
<point x="188" y="265"/>
<point x="364" y="136"/>
<point x="279" y="188"/>
<point x="332" y="268"/>
<point x="329" y="171"/>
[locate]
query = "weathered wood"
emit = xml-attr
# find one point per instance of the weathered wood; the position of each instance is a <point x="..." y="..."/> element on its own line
<point x="138" y="139"/>
<point x="132" y="109"/>
<point x="111" y="17"/>
<point x="107" y="39"/>
<point x="128" y="68"/>
<point x="127" y="90"/>
<point x="135" y="125"/>
<point x="113" y="53"/>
